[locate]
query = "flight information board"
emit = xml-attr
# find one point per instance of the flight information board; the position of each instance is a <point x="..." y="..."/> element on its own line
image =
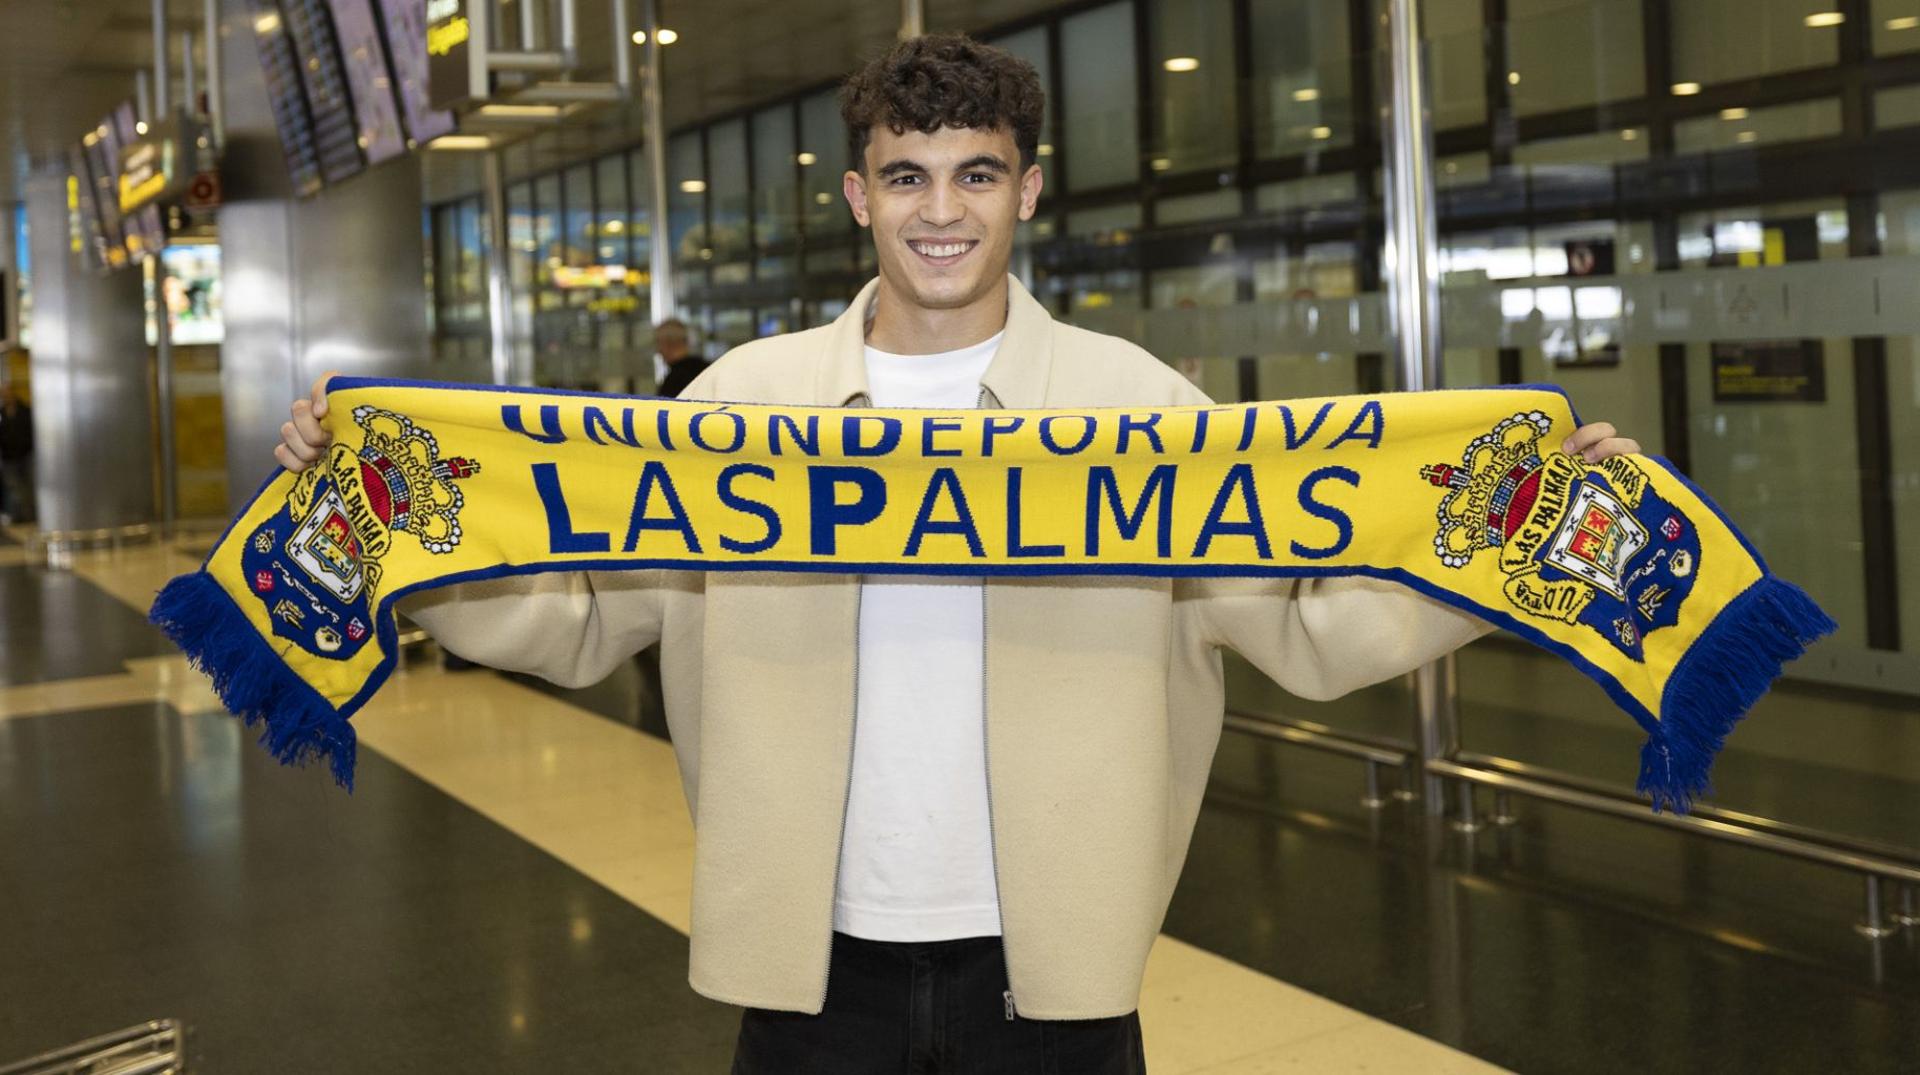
<point x="289" y="101"/>
<point x="336" y="139"/>
<point x="143" y="229"/>
<point x="375" y="112"/>
<point x="405" y="22"/>
<point x="90" y="241"/>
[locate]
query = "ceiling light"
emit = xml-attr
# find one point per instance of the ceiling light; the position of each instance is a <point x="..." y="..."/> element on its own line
<point x="823" y="198"/>
<point x="1322" y="133"/>
<point x="461" y="141"/>
<point x="1182" y="63"/>
<point x="1685" y="89"/>
<point x="692" y="186"/>
<point x="510" y="111"/>
<point x="1160" y="164"/>
<point x="1629" y="134"/>
<point x="806" y="158"/>
<point x="615" y="226"/>
<point x="267" y="23"/>
<point x="666" y="36"/>
<point x="1308" y="94"/>
<point x="1733" y="113"/>
<point x="1746" y="136"/>
<point x="639" y="37"/>
<point x="1904" y="22"/>
<point x="140" y="126"/>
<point x="1044" y="149"/>
<point x="1822" y="19"/>
<point x="1513" y="78"/>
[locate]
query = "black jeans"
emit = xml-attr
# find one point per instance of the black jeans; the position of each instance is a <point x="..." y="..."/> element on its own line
<point x="939" y="1006"/>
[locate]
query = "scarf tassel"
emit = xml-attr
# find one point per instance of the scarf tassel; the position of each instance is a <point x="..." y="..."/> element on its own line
<point x="1724" y="673"/>
<point x="252" y="680"/>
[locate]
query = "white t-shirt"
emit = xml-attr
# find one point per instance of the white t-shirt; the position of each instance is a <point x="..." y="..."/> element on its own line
<point x="916" y="863"/>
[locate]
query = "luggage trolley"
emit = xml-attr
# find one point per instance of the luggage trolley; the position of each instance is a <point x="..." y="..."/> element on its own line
<point x="156" y="1047"/>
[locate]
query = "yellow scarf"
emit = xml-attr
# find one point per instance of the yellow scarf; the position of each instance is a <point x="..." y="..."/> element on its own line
<point x="1622" y="568"/>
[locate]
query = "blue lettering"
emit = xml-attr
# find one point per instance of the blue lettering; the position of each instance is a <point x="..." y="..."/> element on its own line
<point x="1240" y="477"/>
<point x="808" y="444"/>
<point x="560" y="533"/>
<point x="748" y="506"/>
<point x="851" y="445"/>
<point x="937" y="425"/>
<point x="1246" y="429"/>
<point x="1319" y="416"/>
<point x="660" y="426"/>
<point x="652" y="474"/>
<point x="1014" y="545"/>
<point x="739" y="431"/>
<point x="1376" y="428"/>
<point x="1322" y="510"/>
<point x="595" y="417"/>
<point x="1160" y="482"/>
<point x="828" y="514"/>
<point x="997" y="427"/>
<point x="1086" y="433"/>
<point x="1130" y="424"/>
<point x="961" y="524"/>
<point x="549" y="423"/>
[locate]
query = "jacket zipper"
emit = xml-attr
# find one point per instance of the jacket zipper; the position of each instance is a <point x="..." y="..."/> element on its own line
<point x="846" y="800"/>
<point x="986" y="764"/>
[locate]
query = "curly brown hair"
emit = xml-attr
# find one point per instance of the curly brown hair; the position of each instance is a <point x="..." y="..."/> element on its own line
<point x="944" y="80"/>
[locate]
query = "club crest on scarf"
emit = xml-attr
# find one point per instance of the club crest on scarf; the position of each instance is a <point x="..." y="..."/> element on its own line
<point x="315" y="565"/>
<point x="1577" y="544"/>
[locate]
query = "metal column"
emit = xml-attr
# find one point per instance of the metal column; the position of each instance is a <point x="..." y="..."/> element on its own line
<point x="161" y="102"/>
<point x="1413" y="300"/>
<point x="499" y="276"/>
<point x="913" y="18"/>
<point x="659" y="252"/>
<point x="216" y="109"/>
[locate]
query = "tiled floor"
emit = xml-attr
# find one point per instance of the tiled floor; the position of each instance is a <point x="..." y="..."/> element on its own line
<point x="508" y="887"/>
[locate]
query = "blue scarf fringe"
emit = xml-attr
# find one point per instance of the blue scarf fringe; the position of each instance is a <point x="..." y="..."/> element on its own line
<point x="1724" y="673"/>
<point x="251" y="679"/>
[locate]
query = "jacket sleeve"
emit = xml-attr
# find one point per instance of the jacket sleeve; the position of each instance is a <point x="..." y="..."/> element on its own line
<point x="1319" y="638"/>
<point x="570" y="627"/>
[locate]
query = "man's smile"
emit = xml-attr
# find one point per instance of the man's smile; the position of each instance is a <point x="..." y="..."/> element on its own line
<point x="942" y="252"/>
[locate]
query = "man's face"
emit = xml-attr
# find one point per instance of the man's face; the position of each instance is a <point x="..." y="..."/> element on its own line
<point x="942" y="207"/>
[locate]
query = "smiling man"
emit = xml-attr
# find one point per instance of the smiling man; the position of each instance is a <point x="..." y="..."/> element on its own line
<point x="938" y="820"/>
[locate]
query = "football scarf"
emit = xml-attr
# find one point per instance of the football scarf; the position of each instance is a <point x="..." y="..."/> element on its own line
<point x="1622" y="568"/>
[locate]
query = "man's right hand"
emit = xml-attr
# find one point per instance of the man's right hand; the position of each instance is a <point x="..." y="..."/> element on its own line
<point x="304" y="439"/>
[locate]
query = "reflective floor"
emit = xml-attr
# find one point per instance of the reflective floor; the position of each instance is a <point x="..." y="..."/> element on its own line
<point x="507" y="891"/>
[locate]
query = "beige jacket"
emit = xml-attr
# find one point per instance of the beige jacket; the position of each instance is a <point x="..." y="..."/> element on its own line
<point x="1104" y="698"/>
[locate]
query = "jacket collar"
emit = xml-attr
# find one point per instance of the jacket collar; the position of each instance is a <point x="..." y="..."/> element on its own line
<point x="1016" y="378"/>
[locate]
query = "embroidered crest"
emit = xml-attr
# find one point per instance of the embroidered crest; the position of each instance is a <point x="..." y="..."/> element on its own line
<point x="343" y="516"/>
<point x="1572" y="540"/>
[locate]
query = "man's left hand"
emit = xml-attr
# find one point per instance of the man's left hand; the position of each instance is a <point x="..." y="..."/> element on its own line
<point x="1599" y="440"/>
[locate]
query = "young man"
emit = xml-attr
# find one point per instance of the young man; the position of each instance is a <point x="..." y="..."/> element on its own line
<point x="939" y="820"/>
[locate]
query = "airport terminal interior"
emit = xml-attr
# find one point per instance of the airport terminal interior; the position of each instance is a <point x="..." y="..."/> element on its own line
<point x="1700" y="218"/>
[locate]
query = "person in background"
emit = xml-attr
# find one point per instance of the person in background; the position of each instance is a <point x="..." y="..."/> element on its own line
<point x="670" y="339"/>
<point x="16" y="456"/>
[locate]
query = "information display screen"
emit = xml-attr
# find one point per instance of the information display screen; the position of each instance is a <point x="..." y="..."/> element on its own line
<point x="143" y="230"/>
<point x="88" y="240"/>
<point x="101" y="149"/>
<point x="191" y="295"/>
<point x="405" y="23"/>
<point x="284" y="92"/>
<point x="336" y="138"/>
<point x="376" y="114"/>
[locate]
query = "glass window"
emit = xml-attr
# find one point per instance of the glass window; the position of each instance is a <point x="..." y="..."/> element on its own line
<point x="546" y="239"/>
<point x="1100" y="112"/>
<point x="1456" y="51"/>
<point x="686" y="199"/>
<point x="1734" y="128"/>
<point x="1189" y="208"/>
<point x="1302" y="76"/>
<point x="1297" y="195"/>
<point x="1031" y="46"/>
<point x="1565" y="54"/>
<point x="640" y="213"/>
<point x="1192" y="78"/>
<point x="1897" y="107"/>
<point x="823" y="160"/>
<point x="610" y="210"/>
<point x="520" y="234"/>
<point x="775" y="177"/>
<point x="472" y="266"/>
<point x="727" y="189"/>
<point x="1896" y="26"/>
<point x="1724" y="40"/>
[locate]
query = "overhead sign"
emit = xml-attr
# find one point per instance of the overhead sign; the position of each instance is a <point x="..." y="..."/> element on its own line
<point x="449" y="53"/>
<point x="155" y="168"/>
<point x="1769" y="371"/>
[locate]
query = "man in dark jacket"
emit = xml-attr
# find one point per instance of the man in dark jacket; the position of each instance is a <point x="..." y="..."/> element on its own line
<point x="670" y="340"/>
<point x="16" y="457"/>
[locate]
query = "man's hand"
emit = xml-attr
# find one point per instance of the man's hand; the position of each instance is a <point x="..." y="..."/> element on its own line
<point x="304" y="439"/>
<point x="1594" y="442"/>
